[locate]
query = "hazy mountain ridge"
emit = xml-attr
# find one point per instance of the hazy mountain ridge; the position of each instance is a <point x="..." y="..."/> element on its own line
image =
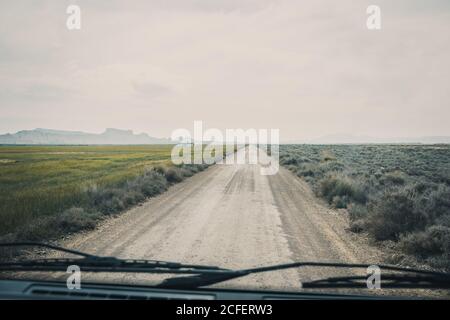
<point x="49" y="136"/>
<point x="113" y="136"/>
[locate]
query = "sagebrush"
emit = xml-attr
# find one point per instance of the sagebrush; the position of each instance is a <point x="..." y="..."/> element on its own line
<point x="399" y="193"/>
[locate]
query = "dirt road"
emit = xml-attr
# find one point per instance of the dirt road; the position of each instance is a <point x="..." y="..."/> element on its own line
<point x="231" y="216"/>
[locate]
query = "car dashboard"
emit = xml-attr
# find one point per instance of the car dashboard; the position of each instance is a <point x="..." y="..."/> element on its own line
<point x="50" y="290"/>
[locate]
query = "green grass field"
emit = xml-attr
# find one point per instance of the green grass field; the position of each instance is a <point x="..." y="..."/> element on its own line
<point x="43" y="180"/>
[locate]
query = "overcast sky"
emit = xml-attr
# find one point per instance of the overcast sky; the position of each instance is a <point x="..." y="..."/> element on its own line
<point x="154" y="66"/>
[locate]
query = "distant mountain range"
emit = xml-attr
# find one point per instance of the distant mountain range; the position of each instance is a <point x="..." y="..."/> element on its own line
<point x="116" y="136"/>
<point x="59" y="137"/>
<point x="355" y="139"/>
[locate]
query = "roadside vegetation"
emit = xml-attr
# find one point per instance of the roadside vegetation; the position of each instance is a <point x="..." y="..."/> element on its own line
<point x="397" y="194"/>
<point x="50" y="191"/>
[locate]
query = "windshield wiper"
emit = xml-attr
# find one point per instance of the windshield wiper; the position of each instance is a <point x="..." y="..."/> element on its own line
<point x="94" y="263"/>
<point x="208" y="275"/>
<point x="391" y="281"/>
<point x="404" y="278"/>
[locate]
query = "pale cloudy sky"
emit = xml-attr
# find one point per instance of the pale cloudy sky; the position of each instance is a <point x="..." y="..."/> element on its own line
<point x="309" y="69"/>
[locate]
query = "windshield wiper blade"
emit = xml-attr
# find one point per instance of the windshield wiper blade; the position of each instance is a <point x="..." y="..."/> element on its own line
<point x="95" y="263"/>
<point x="209" y="275"/>
<point x="45" y="245"/>
<point x="413" y="278"/>
<point x="391" y="281"/>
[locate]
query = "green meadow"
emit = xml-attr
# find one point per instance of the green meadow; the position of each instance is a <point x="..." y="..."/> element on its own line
<point x="38" y="181"/>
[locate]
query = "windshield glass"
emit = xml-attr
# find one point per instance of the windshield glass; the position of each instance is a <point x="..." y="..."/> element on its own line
<point x="235" y="134"/>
